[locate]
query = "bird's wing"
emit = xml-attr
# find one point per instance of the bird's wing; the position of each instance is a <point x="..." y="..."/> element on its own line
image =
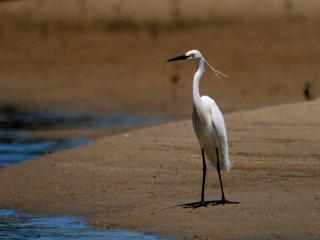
<point x="196" y="126"/>
<point x="221" y="134"/>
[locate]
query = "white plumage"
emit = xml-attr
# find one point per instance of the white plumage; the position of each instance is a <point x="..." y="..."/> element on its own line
<point x="210" y="129"/>
<point x="208" y="124"/>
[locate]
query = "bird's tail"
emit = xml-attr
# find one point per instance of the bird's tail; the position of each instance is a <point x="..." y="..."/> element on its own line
<point x="224" y="158"/>
<point x="225" y="154"/>
<point x="227" y="161"/>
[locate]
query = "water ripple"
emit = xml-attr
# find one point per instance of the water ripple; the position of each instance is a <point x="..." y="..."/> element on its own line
<point x="17" y="225"/>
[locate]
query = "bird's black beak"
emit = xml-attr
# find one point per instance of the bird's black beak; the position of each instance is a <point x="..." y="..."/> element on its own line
<point x="182" y="57"/>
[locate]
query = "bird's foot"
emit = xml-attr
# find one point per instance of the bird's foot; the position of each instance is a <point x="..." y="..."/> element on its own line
<point x="224" y="201"/>
<point x="195" y="205"/>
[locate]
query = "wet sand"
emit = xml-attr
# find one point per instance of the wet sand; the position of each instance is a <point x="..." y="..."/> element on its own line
<point x="136" y="179"/>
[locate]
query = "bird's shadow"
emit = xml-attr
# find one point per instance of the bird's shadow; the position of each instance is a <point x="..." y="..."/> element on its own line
<point x="195" y="205"/>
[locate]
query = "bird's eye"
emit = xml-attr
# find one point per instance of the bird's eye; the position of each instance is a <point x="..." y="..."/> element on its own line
<point x="191" y="55"/>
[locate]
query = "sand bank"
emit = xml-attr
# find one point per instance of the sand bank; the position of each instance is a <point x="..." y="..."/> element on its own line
<point x="136" y="180"/>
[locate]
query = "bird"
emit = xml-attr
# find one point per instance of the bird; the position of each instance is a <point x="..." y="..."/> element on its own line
<point x="209" y="127"/>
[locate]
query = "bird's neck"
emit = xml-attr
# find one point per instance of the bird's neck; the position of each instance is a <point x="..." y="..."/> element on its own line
<point x="196" y="84"/>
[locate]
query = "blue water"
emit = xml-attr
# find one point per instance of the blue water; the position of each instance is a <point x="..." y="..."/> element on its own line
<point x="15" y="149"/>
<point x="17" y="225"/>
<point x="19" y="143"/>
<point x="27" y="118"/>
<point x="18" y="125"/>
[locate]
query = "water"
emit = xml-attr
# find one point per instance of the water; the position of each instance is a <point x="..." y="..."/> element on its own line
<point x="15" y="148"/>
<point x="18" y="125"/>
<point x="26" y="118"/>
<point x="17" y="225"/>
<point x="19" y="143"/>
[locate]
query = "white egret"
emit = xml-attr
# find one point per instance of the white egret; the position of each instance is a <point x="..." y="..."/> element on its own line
<point x="209" y="126"/>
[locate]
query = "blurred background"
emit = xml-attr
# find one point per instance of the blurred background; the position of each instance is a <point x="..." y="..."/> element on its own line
<point x="110" y="56"/>
<point x="89" y="68"/>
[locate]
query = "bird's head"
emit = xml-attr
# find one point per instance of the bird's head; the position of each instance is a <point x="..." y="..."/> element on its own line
<point x="197" y="56"/>
<point x="192" y="54"/>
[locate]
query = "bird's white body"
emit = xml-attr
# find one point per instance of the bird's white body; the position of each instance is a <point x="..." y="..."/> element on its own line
<point x="208" y="123"/>
<point x="209" y="126"/>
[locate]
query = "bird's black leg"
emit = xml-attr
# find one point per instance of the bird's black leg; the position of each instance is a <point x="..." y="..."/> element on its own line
<point x="204" y="203"/>
<point x="223" y="199"/>
<point x="204" y="171"/>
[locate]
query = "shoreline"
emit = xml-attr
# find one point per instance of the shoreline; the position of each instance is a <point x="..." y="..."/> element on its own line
<point x="131" y="180"/>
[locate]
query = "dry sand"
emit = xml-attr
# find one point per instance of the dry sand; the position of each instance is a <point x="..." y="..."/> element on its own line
<point x="122" y="69"/>
<point x="136" y="180"/>
<point x="127" y="72"/>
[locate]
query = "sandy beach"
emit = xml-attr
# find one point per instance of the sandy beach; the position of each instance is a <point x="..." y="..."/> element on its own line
<point x="108" y="58"/>
<point x="135" y="180"/>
